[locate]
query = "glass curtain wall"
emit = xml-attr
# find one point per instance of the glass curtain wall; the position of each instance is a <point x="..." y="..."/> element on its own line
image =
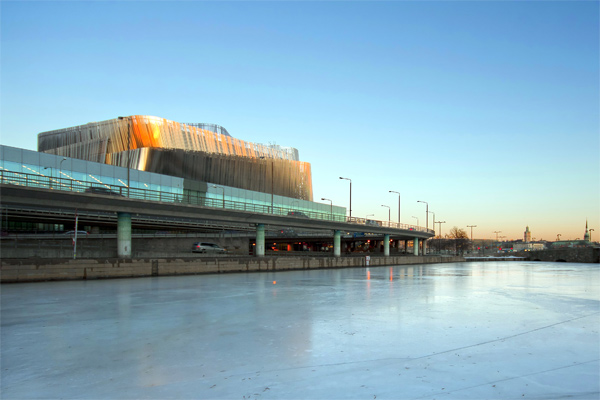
<point x="56" y="172"/>
<point x="282" y="204"/>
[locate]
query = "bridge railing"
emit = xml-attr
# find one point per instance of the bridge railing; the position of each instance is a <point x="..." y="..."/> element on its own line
<point x="193" y="198"/>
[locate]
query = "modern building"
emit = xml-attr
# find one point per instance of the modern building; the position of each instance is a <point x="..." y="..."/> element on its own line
<point x="148" y="156"/>
<point x="197" y="152"/>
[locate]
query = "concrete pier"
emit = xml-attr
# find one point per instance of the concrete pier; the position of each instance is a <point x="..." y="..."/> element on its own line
<point x="260" y="240"/>
<point x="337" y="246"/>
<point x="124" y="235"/>
<point x="386" y="245"/>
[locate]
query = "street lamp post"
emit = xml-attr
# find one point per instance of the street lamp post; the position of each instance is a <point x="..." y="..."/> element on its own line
<point x="426" y="213"/>
<point x="431" y="212"/>
<point x="330" y="205"/>
<point x="51" y="176"/>
<point x="471" y="226"/>
<point x="223" y="189"/>
<point x="128" y="149"/>
<point x="389" y="213"/>
<point x="440" y="228"/>
<point x="497" y="242"/>
<point x="350" y="180"/>
<point x="272" y="186"/>
<point x="60" y="166"/>
<point x="417" y="220"/>
<point x="398" y="193"/>
<point x="440" y="242"/>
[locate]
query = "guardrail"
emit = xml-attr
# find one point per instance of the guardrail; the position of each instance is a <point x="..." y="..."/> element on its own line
<point x="193" y="198"/>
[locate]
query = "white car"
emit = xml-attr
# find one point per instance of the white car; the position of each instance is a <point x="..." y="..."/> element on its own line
<point x="203" y="247"/>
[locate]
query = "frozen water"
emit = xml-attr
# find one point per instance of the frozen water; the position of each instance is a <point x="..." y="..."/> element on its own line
<point x="478" y="330"/>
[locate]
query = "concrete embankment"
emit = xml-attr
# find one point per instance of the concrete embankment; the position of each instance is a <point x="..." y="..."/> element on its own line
<point x="573" y="255"/>
<point x="32" y="270"/>
<point x="495" y="258"/>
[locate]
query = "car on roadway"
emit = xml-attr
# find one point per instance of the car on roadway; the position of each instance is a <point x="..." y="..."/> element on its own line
<point x="72" y="233"/>
<point x="371" y="222"/>
<point x="102" y="190"/>
<point x="205" y="247"/>
<point x="298" y="214"/>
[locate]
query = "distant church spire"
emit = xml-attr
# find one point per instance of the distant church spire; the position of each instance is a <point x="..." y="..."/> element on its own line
<point x="586" y="236"/>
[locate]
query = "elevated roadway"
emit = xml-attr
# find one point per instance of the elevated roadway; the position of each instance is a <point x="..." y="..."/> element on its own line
<point x="177" y="213"/>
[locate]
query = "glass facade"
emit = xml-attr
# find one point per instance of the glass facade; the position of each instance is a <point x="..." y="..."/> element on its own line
<point x="285" y="204"/>
<point x="56" y="171"/>
<point x="192" y="151"/>
<point x="20" y="166"/>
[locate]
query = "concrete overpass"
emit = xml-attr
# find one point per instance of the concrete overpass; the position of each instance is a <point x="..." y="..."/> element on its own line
<point x="18" y="196"/>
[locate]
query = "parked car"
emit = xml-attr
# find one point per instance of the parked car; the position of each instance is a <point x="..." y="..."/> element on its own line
<point x="297" y="214"/>
<point x="204" y="247"/>
<point x="102" y="190"/>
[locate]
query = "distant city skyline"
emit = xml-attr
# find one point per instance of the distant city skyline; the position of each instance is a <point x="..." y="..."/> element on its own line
<point x="487" y="111"/>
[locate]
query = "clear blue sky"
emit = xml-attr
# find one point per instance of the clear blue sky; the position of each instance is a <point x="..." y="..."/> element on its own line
<point x="489" y="111"/>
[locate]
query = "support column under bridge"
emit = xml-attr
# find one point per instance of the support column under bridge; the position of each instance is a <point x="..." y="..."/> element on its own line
<point x="123" y="235"/>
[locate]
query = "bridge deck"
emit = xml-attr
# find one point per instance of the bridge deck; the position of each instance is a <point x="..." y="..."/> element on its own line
<point x="69" y="201"/>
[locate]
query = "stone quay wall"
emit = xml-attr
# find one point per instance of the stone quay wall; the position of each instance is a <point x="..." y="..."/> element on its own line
<point x="567" y="254"/>
<point x="105" y="246"/>
<point x="35" y="270"/>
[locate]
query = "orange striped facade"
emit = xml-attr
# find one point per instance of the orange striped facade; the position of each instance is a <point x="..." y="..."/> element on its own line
<point x="159" y="145"/>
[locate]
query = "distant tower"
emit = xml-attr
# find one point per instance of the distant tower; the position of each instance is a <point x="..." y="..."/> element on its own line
<point x="527" y="235"/>
<point x="586" y="236"/>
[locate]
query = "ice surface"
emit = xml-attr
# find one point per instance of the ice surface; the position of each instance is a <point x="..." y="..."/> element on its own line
<point x="477" y="330"/>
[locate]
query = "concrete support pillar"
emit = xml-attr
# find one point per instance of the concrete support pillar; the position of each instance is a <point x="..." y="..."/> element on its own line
<point x="337" y="248"/>
<point x="124" y="235"/>
<point x="416" y="246"/>
<point x="424" y="247"/>
<point x="260" y="240"/>
<point x="386" y="245"/>
<point x="406" y="246"/>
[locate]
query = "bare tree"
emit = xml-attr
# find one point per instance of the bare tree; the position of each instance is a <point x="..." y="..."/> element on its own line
<point x="460" y="239"/>
<point x="456" y="233"/>
<point x="456" y="241"/>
